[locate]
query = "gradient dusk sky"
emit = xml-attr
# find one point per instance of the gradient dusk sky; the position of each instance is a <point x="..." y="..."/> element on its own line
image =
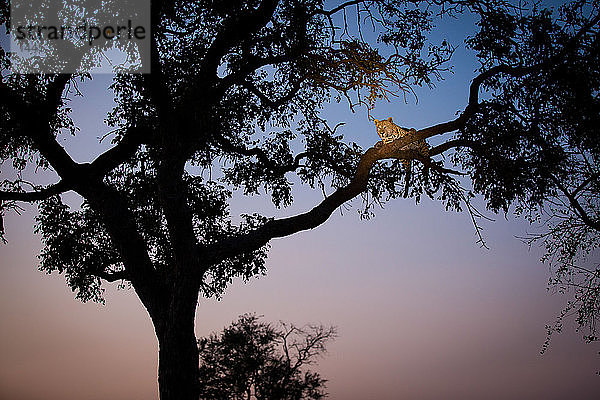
<point x="422" y="311"/>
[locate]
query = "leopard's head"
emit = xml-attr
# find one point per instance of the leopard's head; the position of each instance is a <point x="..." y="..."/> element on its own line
<point x="385" y="127"/>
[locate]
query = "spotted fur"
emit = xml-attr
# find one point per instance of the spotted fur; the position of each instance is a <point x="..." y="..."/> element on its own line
<point x="388" y="131"/>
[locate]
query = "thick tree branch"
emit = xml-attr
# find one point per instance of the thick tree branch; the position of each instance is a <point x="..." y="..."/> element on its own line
<point x="125" y="149"/>
<point x="42" y="194"/>
<point x="56" y="155"/>
<point x="262" y="156"/>
<point x="235" y="31"/>
<point x="585" y="217"/>
<point x="452" y="144"/>
<point x="583" y="184"/>
<point x="251" y="64"/>
<point x="173" y="194"/>
<point x="274" y="103"/>
<point x="37" y="122"/>
<point x="339" y="8"/>
<point x="55" y="91"/>
<point x="112" y="276"/>
<point x="426" y="161"/>
<point x="122" y="228"/>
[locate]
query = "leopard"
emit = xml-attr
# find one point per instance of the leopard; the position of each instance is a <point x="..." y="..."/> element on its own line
<point x="388" y="131"/>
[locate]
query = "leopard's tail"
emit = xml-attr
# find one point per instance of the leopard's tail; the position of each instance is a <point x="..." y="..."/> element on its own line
<point x="408" y="168"/>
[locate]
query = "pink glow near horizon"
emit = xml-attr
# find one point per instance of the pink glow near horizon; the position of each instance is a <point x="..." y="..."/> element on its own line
<point x="416" y="320"/>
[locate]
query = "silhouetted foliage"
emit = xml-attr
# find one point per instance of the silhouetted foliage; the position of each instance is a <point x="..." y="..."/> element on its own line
<point x="567" y="225"/>
<point x="234" y="102"/>
<point x="251" y="359"/>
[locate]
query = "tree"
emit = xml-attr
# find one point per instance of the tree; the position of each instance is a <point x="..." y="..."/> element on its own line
<point x="255" y="360"/>
<point x="236" y="88"/>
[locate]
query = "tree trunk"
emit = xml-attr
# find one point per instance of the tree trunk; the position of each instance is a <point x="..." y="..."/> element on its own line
<point x="177" y="356"/>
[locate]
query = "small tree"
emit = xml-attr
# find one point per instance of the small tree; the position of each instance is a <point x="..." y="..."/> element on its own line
<point x="255" y="360"/>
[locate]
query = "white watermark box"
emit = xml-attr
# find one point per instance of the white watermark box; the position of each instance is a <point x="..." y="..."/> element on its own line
<point x="68" y="36"/>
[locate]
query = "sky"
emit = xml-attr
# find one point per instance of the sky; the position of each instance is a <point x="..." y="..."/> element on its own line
<point x="422" y="311"/>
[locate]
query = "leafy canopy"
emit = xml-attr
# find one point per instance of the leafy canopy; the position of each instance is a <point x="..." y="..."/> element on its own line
<point x="234" y="102"/>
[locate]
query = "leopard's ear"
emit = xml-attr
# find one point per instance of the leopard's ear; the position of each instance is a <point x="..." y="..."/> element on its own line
<point x="390" y="119"/>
